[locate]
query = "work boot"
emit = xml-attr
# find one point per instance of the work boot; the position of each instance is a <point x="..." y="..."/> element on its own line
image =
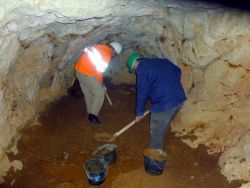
<point x="94" y="119"/>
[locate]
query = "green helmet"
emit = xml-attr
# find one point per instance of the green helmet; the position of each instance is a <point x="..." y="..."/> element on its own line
<point x="131" y="61"/>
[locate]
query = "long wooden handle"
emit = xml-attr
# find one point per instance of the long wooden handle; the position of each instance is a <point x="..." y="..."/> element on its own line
<point x="109" y="100"/>
<point x="129" y="125"/>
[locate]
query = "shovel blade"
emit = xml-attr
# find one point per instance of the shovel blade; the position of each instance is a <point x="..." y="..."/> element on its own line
<point x="104" y="137"/>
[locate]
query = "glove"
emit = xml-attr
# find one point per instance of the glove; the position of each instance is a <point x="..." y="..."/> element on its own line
<point x="104" y="87"/>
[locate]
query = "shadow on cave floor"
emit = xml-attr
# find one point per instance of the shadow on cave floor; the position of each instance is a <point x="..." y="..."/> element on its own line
<point x="54" y="151"/>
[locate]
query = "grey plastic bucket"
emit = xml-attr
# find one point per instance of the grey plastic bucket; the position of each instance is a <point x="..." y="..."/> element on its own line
<point x="96" y="171"/>
<point x="106" y="152"/>
<point x="154" y="165"/>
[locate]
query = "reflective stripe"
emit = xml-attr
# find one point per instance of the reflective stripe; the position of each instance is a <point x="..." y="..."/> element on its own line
<point x="96" y="59"/>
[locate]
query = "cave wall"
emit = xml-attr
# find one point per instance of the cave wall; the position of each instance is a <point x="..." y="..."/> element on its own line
<point x="216" y="46"/>
<point x="41" y="39"/>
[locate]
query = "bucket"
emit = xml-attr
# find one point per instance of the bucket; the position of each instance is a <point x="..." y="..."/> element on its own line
<point x="96" y="171"/>
<point x="154" y="161"/>
<point x="106" y="152"/>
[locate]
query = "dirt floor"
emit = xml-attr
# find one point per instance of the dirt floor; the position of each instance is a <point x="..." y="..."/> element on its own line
<point x="54" y="152"/>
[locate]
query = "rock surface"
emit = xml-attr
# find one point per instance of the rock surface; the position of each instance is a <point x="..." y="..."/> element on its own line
<point x="41" y="39"/>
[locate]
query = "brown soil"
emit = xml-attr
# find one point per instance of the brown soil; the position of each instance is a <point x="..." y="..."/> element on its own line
<point x="53" y="154"/>
<point x="153" y="154"/>
<point x="95" y="167"/>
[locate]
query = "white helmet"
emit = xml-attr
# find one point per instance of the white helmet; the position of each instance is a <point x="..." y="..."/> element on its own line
<point x="117" y="47"/>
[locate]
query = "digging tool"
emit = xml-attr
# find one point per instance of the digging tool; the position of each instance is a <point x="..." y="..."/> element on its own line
<point x="106" y="137"/>
<point x="109" y="100"/>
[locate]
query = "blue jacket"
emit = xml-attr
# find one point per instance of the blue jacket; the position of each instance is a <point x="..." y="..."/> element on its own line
<point x="159" y="81"/>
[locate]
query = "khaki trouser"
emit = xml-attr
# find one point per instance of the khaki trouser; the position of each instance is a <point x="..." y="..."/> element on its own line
<point x="93" y="93"/>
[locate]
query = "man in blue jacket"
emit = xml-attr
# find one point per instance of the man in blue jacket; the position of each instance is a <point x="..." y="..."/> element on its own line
<point x="159" y="81"/>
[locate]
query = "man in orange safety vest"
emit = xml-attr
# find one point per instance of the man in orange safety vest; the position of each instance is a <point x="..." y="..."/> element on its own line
<point x="89" y="71"/>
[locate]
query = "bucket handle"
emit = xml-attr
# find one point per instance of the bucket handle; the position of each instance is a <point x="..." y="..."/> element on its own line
<point x="159" y="168"/>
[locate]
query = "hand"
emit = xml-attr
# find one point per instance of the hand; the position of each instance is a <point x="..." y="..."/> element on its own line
<point x="104" y="87"/>
<point x="138" y="118"/>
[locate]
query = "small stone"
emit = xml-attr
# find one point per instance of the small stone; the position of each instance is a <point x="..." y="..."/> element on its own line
<point x="13" y="182"/>
<point x="65" y="155"/>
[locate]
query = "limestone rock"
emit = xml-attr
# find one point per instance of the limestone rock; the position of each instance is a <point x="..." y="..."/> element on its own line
<point x="235" y="161"/>
<point x="247" y="185"/>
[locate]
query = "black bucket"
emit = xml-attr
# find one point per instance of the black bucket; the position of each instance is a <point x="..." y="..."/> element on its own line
<point x="106" y="152"/>
<point x="96" y="171"/>
<point x="154" y="161"/>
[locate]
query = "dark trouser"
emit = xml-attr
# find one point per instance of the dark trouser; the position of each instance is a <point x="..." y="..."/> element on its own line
<point x="159" y="124"/>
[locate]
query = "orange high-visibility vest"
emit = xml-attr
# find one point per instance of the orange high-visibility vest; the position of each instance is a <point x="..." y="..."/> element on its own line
<point x="84" y="64"/>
